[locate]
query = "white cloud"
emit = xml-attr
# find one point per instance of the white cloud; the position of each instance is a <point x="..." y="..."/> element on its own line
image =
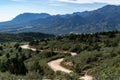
<point x="92" y="1"/>
<point x="81" y="1"/>
<point x="19" y="0"/>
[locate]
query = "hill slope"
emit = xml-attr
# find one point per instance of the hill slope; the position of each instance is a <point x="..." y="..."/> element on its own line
<point x="97" y="54"/>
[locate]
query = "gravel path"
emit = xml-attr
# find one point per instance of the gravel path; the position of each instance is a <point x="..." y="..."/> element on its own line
<point x="27" y="47"/>
<point x="55" y="64"/>
<point x="86" y="77"/>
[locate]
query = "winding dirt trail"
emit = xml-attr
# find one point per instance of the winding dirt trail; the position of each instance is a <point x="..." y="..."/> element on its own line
<point x="55" y="64"/>
<point x="86" y="77"/>
<point x="27" y="47"/>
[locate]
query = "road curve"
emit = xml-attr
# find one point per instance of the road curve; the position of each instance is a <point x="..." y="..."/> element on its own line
<point x="27" y="47"/>
<point x="55" y="64"/>
<point x="86" y="77"/>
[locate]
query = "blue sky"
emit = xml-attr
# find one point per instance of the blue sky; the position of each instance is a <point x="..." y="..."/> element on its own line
<point x="11" y="8"/>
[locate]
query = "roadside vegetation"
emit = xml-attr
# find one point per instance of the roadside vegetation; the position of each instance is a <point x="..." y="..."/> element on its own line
<point x="18" y="63"/>
<point x="98" y="55"/>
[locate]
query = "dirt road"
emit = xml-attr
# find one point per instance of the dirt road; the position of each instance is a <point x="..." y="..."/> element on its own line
<point x="27" y="47"/>
<point x="86" y="77"/>
<point x="55" y="64"/>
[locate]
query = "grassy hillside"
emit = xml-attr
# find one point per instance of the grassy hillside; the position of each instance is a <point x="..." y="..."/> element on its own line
<point x="98" y="54"/>
<point x="17" y="63"/>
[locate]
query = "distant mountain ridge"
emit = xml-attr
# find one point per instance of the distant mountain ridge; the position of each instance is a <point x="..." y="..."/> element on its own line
<point x="106" y="18"/>
<point x="25" y="17"/>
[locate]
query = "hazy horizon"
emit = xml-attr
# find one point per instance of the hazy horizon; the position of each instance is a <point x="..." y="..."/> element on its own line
<point x="11" y="8"/>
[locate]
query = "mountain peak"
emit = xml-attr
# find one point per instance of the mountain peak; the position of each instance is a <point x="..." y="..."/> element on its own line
<point x="33" y="14"/>
<point x="26" y="17"/>
<point x="110" y="7"/>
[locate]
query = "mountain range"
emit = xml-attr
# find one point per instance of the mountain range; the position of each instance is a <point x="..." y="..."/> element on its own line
<point x="106" y="18"/>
